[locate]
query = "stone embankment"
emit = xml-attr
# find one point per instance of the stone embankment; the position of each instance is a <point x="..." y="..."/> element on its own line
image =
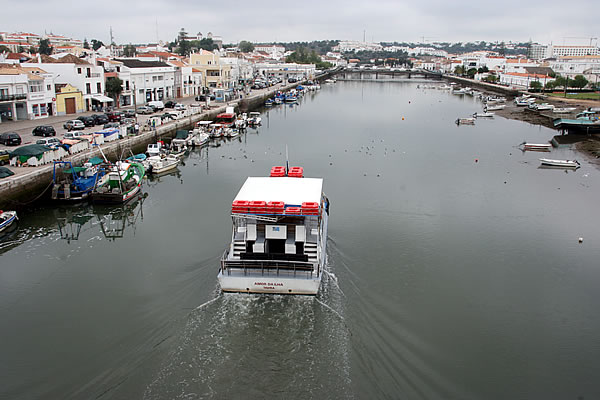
<point x="30" y="183"/>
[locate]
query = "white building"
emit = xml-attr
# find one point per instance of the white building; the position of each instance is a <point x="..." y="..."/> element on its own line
<point x="188" y="80"/>
<point x="273" y="51"/>
<point x="25" y="93"/>
<point x="150" y="80"/>
<point x="355" y="46"/>
<point x="286" y="70"/>
<point x="86" y="77"/>
<point x="558" y="51"/>
<point x="241" y="69"/>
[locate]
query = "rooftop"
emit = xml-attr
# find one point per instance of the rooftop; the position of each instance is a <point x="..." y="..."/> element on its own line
<point x="292" y="191"/>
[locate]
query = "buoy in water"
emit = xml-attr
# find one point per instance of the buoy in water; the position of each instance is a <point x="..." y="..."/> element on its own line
<point x="402" y="118"/>
<point x="476" y="160"/>
<point x="580" y="240"/>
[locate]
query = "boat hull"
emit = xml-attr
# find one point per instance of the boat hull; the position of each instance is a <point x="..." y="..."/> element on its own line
<point x="6" y="224"/>
<point x="114" y="198"/>
<point x="259" y="283"/>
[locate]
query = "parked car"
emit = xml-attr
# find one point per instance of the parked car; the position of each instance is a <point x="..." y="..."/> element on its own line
<point x="114" y="116"/>
<point x="48" y="141"/>
<point x="111" y="125"/>
<point x="4" y="157"/>
<point x="100" y="119"/>
<point x="87" y="121"/>
<point x="292" y="80"/>
<point x="73" y="124"/>
<point x="74" y="135"/>
<point x="10" y="139"/>
<point x="179" y="107"/>
<point x="170" y="104"/>
<point x="144" y="110"/>
<point x="44" y="130"/>
<point x="129" y="113"/>
<point x="204" y="97"/>
<point x="157" y="105"/>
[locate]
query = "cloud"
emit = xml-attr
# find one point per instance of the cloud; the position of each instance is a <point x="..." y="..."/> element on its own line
<point x="138" y="21"/>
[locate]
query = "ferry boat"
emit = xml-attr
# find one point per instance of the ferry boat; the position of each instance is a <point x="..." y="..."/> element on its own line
<point x="279" y="235"/>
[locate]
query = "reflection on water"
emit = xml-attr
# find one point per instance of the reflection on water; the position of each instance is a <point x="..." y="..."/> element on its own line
<point x="110" y="220"/>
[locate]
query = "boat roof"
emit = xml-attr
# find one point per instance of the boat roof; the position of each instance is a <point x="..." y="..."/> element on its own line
<point x="226" y="115"/>
<point x="292" y="191"/>
<point x="203" y="123"/>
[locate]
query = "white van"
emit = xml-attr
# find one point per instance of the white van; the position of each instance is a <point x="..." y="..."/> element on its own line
<point x="157" y="105"/>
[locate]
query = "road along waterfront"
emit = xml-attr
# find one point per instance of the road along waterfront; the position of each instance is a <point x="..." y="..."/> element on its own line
<point x="455" y="269"/>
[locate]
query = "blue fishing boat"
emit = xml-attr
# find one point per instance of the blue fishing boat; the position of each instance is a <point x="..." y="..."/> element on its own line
<point x="70" y="183"/>
<point x="269" y="102"/>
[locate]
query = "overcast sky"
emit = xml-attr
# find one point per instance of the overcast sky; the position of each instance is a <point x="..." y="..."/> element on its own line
<point x="138" y="21"/>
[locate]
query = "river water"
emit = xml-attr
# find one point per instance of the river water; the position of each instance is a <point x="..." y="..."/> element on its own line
<point x="455" y="269"/>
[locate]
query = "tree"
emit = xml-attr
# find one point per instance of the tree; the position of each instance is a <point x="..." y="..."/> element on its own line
<point x="114" y="87"/>
<point x="32" y="50"/>
<point x="129" y="50"/>
<point x="245" y="46"/>
<point x="182" y="35"/>
<point x="535" y="85"/>
<point x="459" y="70"/>
<point x="4" y="49"/>
<point x="491" y="78"/>
<point x="550" y="85"/>
<point x="579" y="82"/>
<point x="559" y="81"/>
<point x="471" y="72"/>
<point x="96" y="44"/>
<point x="86" y="45"/>
<point x="184" y="48"/>
<point x="45" y="47"/>
<point x="21" y="49"/>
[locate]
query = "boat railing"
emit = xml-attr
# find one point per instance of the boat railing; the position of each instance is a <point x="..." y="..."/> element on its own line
<point x="294" y="268"/>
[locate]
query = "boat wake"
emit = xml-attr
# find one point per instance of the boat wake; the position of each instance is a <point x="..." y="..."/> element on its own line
<point x="255" y="346"/>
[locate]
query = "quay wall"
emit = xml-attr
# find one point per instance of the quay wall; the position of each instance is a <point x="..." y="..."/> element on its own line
<point x="30" y="184"/>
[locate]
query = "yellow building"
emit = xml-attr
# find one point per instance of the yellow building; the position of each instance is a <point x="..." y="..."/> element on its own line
<point x="69" y="100"/>
<point x="215" y="75"/>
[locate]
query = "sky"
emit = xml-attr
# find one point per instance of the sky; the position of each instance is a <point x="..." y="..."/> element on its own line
<point x="263" y="21"/>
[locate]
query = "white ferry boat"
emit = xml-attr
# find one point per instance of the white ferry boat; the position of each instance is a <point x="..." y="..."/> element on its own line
<point x="279" y="235"/>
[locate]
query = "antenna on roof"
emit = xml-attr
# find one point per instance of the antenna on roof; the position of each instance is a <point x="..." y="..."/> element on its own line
<point x="287" y="163"/>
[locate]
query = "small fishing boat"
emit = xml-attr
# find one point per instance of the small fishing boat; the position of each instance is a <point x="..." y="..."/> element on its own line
<point x="563" y="110"/>
<point x="278" y="100"/>
<point x="483" y="115"/>
<point x="153" y="149"/>
<point x="541" y="106"/>
<point x="465" y="121"/>
<point x="536" y="146"/>
<point x="269" y="102"/>
<point x="70" y="183"/>
<point x="560" y="163"/>
<point x="254" y="119"/>
<point x="7" y="219"/>
<point x="494" y="107"/>
<point x="162" y="164"/>
<point x="120" y="183"/>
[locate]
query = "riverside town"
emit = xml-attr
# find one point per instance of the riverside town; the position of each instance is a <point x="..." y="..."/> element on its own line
<point x="297" y="206"/>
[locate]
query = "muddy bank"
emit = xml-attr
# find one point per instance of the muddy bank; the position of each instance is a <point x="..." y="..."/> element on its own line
<point x="589" y="145"/>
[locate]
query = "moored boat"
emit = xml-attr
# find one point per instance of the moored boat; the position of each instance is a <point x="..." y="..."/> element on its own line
<point x="279" y="236"/>
<point x="254" y="118"/>
<point x="483" y="115"/>
<point x="494" y="107"/>
<point x="563" y="110"/>
<point x="71" y="183"/>
<point x="121" y="182"/>
<point x="560" y="163"/>
<point x="536" y="146"/>
<point x="7" y="219"/>
<point x="162" y="164"/>
<point x="465" y="121"/>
